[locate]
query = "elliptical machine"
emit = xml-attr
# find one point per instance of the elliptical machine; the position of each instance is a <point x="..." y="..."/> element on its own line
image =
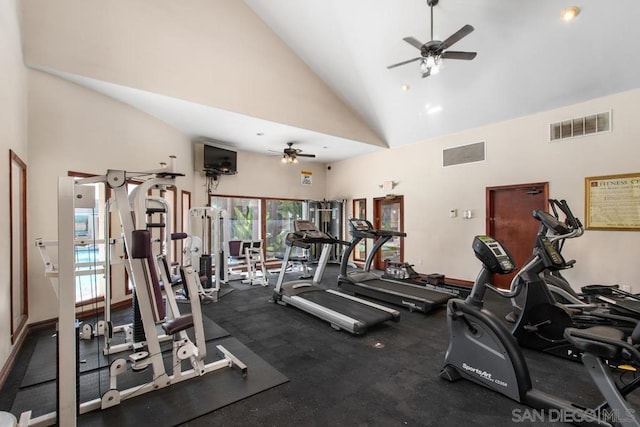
<point x="482" y="350"/>
<point x="609" y="297"/>
<point x="540" y="320"/>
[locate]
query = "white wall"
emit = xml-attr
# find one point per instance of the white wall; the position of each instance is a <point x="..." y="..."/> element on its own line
<point x="13" y="135"/>
<point x="518" y="152"/>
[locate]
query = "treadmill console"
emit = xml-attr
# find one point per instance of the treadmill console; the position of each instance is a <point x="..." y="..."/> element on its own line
<point x="360" y="225"/>
<point x="308" y="229"/>
<point x="364" y="229"/>
<point x="361" y="228"/>
<point x="493" y="255"/>
<point x="306" y="233"/>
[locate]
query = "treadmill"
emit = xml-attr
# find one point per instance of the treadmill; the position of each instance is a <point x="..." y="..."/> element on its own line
<point x="342" y="311"/>
<point x="367" y="283"/>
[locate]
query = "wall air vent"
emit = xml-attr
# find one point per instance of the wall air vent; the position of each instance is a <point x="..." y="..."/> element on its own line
<point x="463" y="154"/>
<point x="580" y="126"/>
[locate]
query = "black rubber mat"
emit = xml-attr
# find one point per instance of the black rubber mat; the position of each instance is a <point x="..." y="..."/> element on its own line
<point x="173" y="405"/>
<point x="388" y="377"/>
<point x="42" y="366"/>
<point x="224" y="291"/>
<point x="239" y="286"/>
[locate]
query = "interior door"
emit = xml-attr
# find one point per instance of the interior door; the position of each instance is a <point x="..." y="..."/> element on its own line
<point x="509" y="220"/>
<point x="388" y="215"/>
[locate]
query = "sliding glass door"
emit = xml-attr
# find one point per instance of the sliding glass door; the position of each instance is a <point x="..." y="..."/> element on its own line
<point x="280" y="215"/>
<point x="243" y="217"/>
<point x="263" y="219"/>
<point x="388" y="215"/>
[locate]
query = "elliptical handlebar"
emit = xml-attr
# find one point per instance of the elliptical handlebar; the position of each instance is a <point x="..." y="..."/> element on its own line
<point x="563" y="206"/>
<point x="555" y="229"/>
<point x="573" y="221"/>
<point x="517" y="283"/>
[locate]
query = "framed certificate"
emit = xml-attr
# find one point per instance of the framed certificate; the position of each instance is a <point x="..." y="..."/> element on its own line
<point x="613" y="202"/>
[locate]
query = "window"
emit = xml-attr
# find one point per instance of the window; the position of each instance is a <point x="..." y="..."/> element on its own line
<point x="170" y="195"/>
<point x="131" y="185"/>
<point x="360" y="212"/>
<point x="90" y="255"/>
<point x="243" y="217"/>
<point x="186" y="205"/>
<point x="263" y="219"/>
<point x="280" y="215"/>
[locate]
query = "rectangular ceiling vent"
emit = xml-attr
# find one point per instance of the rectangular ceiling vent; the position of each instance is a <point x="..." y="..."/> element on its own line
<point x="580" y="126"/>
<point x="463" y="154"/>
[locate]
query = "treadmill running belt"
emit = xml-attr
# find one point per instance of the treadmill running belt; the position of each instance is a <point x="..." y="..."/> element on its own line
<point x="368" y="315"/>
<point x="409" y="296"/>
<point x="429" y="295"/>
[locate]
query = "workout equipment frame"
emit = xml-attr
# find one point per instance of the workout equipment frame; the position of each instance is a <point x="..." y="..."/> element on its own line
<point x="364" y="282"/>
<point x="482" y="350"/>
<point x="70" y="196"/>
<point x="342" y="311"/>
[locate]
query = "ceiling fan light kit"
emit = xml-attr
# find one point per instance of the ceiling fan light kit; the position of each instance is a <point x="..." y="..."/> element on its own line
<point x="289" y="159"/>
<point x="434" y="51"/>
<point x="291" y="154"/>
<point x="570" y="13"/>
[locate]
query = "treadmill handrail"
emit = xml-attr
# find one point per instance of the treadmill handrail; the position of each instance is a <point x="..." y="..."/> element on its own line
<point x="392" y="233"/>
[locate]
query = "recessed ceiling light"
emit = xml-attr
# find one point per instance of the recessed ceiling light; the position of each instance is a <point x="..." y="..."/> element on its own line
<point x="570" y="13"/>
<point x="405" y="87"/>
<point x="434" y="109"/>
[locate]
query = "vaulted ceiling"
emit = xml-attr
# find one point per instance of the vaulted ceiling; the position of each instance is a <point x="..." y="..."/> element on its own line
<point x="315" y="71"/>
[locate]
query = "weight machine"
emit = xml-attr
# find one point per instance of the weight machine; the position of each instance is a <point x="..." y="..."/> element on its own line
<point x="140" y="265"/>
<point x="204" y="250"/>
<point x="328" y="216"/>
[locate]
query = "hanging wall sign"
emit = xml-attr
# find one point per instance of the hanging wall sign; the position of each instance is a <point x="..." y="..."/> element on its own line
<point x="613" y="202"/>
<point x="305" y="177"/>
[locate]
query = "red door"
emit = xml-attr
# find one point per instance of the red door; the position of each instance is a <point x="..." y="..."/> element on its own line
<point x="509" y="220"/>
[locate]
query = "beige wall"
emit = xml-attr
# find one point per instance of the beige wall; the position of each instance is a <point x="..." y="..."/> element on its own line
<point x="73" y="128"/>
<point x="517" y="152"/>
<point x="266" y="176"/>
<point x="213" y="52"/>
<point x="13" y="136"/>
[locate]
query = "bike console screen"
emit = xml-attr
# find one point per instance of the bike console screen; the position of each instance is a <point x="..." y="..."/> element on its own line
<point x="493" y="255"/>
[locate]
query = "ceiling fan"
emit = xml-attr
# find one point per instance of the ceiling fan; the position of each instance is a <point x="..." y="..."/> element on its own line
<point x="291" y="154"/>
<point x="433" y="52"/>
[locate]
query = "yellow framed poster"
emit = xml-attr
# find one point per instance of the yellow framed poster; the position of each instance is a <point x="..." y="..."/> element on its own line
<point x="613" y="202"/>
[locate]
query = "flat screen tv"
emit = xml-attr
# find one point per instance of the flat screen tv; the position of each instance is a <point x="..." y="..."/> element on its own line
<point x="219" y="160"/>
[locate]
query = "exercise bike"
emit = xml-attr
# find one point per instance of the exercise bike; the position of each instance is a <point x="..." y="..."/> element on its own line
<point x="482" y="350"/>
